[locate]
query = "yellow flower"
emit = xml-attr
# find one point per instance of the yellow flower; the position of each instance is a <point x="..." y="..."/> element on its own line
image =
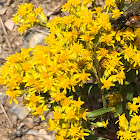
<point x="137" y="33"/>
<point x="133" y="120"/>
<point x="133" y="128"/>
<point x="116" y="13"/>
<point x="65" y="102"/>
<point x="120" y="77"/>
<point x="70" y="113"/>
<point x="74" y="130"/>
<point x="128" y="34"/>
<point x="78" y="103"/>
<point x="94" y="29"/>
<point x="39" y="110"/>
<point x="108" y="39"/>
<point x="133" y="108"/>
<point x="128" y="52"/>
<point x="66" y="6"/>
<point x="58" y="96"/>
<point x="16" y="19"/>
<point x="13" y="94"/>
<point x="86" y="15"/>
<point x="120" y="133"/>
<point x="136" y="100"/>
<point x="123" y="122"/>
<point x="86" y="38"/>
<point x="98" y="10"/>
<point x="22" y="28"/>
<point x="101" y="53"/>
<point x="118" y="35"/>
<point x="74" y="2"/>
<point x="101" y="124"/>
<point x="57" y="113"/>
<point x="83" y="76"/>
<point x="136" y="59"/>
<point x="86" y="1"/>
<point x="107" y="83"/>
<point x="108" y="4"/>
<point x="63" y="132"/>
<point x="22" y="10"/>
<point x="33" y="100"/>
<point x="83" y="113"/>
<point x="29" y="6"/>
<point x="38" y="10"/>
<point x="52" y="125"/>
<point x="137" y="135"/>
<point x="103" y="21"/>
<point x="128" y="135"/>
<point x="31" y="18"/>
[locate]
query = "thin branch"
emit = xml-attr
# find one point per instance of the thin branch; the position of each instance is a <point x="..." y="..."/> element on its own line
<point x="9" y="121"/>
<point x="111" y="120"/>
<point x="123" y="101"/>
<point x="57" y="8"/>
<point x="5" y="34"/>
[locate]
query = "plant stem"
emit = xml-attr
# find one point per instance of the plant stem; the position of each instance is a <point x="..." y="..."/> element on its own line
<point x="123" y="100"/>
<point x="111" y="120"/>
<point x="110" y="137"/>
<point x="85" y="99"/>
<point x="98" y="71"/>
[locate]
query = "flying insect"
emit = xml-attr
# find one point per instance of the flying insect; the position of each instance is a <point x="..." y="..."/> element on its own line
<point x="130" y="18"/>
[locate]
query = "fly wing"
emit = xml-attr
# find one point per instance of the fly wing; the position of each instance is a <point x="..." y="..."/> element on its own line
<point x="135" y="8"/>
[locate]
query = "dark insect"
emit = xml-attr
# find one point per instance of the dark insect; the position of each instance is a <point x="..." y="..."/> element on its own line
<point x="130" y="18"/>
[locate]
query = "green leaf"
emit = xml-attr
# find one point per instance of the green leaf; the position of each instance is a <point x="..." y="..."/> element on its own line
<point x="129" y="96"/>
<point x="89" y="89"/>
<point x="99" y="112"/>
<point x="131" y="75"/>
<point x="118" y="110"/>
<point x="91" y="137"/>
<point x="88" y="131"/>
<point x="129" y="91"/>
<point x="91" y="119"/>
<point x="127" y="83"/>
<point x="100" y="138"/>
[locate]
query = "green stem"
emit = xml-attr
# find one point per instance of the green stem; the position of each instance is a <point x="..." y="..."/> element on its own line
<point x="98" y="74"/>
<point x="123" y="100"/>
<point x="85" y="99"/>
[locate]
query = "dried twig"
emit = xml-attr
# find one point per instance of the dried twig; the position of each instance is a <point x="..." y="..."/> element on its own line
<point x="57" y="8"/>
<point x="5" y="33"/>
<point x="10" y="123"/>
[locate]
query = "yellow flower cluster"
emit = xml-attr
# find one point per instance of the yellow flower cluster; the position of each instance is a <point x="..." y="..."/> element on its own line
<point x="44" y="74"/>
<point x="113" y="99"/>
<point x="93" y="30"/>
<point x="27" y="16"/>
<point x="85" y="26"/>
<point x="77" y="44"/>
<point x="130" y="130"/>
<point x="118" y="46"/>
<point x="67" y="119"/>
<point x="44" y="71"/>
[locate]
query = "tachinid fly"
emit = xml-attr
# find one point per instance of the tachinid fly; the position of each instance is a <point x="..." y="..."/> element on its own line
<point x="130" y="18"/>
